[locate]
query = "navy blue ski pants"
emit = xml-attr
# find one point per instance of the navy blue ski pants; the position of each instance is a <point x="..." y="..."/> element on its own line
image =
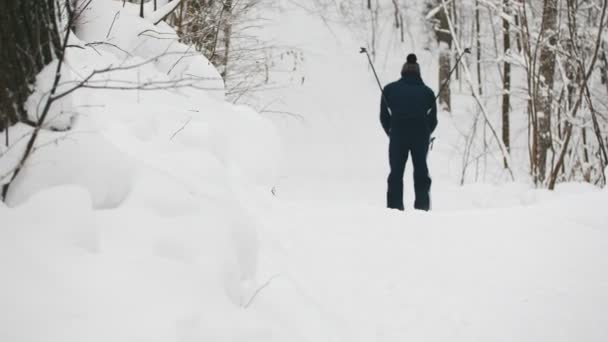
<point x="399" y="149"/>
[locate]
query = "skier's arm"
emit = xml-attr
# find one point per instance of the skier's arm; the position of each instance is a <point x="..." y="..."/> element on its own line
<point x="385" y="116"/>
<point x="432" y="117"/>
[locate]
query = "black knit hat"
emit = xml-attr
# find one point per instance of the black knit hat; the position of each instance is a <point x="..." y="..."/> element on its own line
<point x="411" y="65"/>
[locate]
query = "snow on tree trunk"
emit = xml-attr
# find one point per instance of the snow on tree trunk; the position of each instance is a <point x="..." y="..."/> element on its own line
<point x="29" y="40"/>
<point x="444" y="38"/>
<point x="544" y="96"/>
<point x="444" y="71"/>
<point x="227" y="27"/>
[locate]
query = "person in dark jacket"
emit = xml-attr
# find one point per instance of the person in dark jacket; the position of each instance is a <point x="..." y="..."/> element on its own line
<point x="408" y="115"/>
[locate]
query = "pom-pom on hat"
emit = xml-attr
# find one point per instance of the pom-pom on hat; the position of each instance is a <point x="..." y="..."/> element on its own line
<point x="411" y="65"/>
<point x="412" y="59"/>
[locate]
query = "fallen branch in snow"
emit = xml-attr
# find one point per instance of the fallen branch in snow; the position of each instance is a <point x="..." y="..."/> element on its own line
<point x="144" y="32"/>
<point x="116" y="16"/>
<point x="179" y="60"/>
<point x="259" y="289"/>
<point x="93" y="44"/>
<point x="87" y="82"/>
<point x="282" y="112"/>
<point x="181" y="128"/>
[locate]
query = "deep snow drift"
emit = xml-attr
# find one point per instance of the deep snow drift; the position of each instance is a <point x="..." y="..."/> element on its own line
<point x="133" y="224"/>
<point x="152" y="218"/>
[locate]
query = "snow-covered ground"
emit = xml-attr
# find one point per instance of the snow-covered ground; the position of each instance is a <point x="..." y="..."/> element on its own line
<point x="153" y="218"/>
<point x="520" y="274"/>
<point x="492" y="262"/>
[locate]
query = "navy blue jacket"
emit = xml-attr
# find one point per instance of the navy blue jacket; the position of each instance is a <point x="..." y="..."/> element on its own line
<point x="409" y="100"/>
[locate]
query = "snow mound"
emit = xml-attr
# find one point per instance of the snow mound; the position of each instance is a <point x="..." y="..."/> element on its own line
<point x="129" y="221"/>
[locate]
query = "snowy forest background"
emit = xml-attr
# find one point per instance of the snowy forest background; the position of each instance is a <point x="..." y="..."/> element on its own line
<point x="538" y="66"/>
<point x="202" y="170"/>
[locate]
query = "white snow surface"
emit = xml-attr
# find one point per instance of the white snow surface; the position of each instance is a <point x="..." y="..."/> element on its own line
<point x="152" y="218"/>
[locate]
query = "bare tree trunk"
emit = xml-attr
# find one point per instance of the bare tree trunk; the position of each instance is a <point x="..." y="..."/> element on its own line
<point x="444" y="38"/>
<point x="517" y="21"/>
<point x="227" y="34"/>
<point x="545" y="94"/>
<point x="374" y="27"/>
<point x="525" y="49"/>
<point x="397" y="13"/>
<point x="399" y="20"/>
<point x="454" y="17"/>
<point x="478" y="46"/>
<point x="179" y="19"/>
<point x="604" y="67"/>
<point x="585" y="152"/>
<point x="480" y="87"/>
<point x="506" y="95"/>
<point x="29" y="40"/>
<point x="401" y="28"/>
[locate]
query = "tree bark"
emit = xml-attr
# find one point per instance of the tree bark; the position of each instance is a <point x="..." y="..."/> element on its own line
<point x="29" y="40"/>
<point x="506" y="95"/>
<point x="227" y="34"/>
<point x="480" y="87"/>
<point x="544" y="97"/>
<point x="478" y="46"/>
<point x="444" y="38"/>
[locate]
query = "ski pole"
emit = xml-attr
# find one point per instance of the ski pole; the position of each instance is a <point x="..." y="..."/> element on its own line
<point x="447" y="81"/>
<point x="369" y="59"/>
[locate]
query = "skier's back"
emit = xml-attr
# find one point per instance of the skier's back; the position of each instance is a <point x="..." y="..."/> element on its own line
<point x="409" y="122"/>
